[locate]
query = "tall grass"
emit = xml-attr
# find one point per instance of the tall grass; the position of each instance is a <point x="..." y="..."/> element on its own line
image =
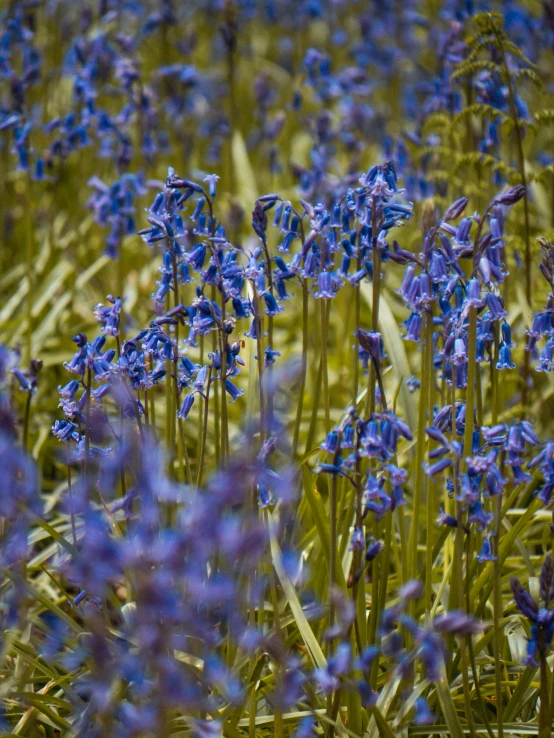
<point x="275" y="397"/>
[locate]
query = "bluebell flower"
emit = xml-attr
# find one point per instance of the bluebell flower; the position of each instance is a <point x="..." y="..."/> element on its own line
<point x="270" y="355"/>
<point x="233" y="391"/>
<point x="446" y="519"/>
<point x="272" y="307"/>
<point x="486" y="553"/>
<point x="186" y="406"/>
<point x="423" y="714"/>
<point x="437" y="467"/>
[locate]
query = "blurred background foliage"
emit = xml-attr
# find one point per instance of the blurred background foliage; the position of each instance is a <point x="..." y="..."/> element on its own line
<point x="294" y="98"/>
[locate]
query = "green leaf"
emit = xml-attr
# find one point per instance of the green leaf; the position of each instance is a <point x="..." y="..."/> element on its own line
<point x="448" y="709"/>
<point x="312" y="643"/>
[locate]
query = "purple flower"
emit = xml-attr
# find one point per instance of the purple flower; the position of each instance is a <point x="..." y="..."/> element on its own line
<point x="186" y="406"/>
<point x="423" y="714"/>
<point x="486" y="553"/>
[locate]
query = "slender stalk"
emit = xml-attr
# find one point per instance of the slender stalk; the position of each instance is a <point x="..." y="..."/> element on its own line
<point x="545" y="730"/>
<point x="420" y="448"/>
<point x="223" y="379"/>
<point x="497" y="615"/>
<point x="374" y="614"/>
<point x="469" y="644"/>
<point x="269" y="328"/>
<point x="494" y="378"/>
<point x="324" y="364"/>
<point x="358" y="589"/>
<point x="169" y="396"/>
<point x="385" y="563"/>
<point x="30" y="267"/>
<point x="278" y="732"/>
<point x="153" y="412"/>
<point x="183" y="445"/>
<point x="459" y="583"/>
<point x="70" y="492"/>
<point x="315" y="409"/>
<point x="333" y="546"/>
<point x="200" y="413"/>
<point x="204" y="430"/>
<point x="431" y="511"/>
<point x="87" y="418"/>
<point x="261" y="383"/>
<point x="146" y="411"/>
<point x="217" y="416"/>
<point x="332" y="569"/>
<point x="471" y="377"/>
<point x="26" y="419"/>
<point x="357" y="324"/>
<point x="303" y="370"/>
<point x="549" y="712"/>
<point x="181" y="442"/>
<point x="375" y="298"/>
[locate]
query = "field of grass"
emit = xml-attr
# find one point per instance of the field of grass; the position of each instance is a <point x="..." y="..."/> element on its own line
<point x="276" y="339"/>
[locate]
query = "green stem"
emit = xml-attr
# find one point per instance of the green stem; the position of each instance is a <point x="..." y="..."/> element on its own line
<point x="550" y="712"/>
<point x="357" y="323"/>
<point x="303" y="370"/>
<point x="375" y="298"/>
<point x="545" y="730"/>
<point x="469" y="644"/>
<point x="204" y="430"/>
<point x="315" y="408"/>
<point x="497" y="616"/>
<point x="471" y="376"/>
<point x="70" y="492"/>
<point x="418" y="483"/>
<point x="87" y="419"/>
<point x="332" y="575"/>
<point x="431" y="508"/>
<point x="30" y="274"/>
<point x="459" y="583"/>
<point x="333" y="546"/>
<point x="26" y="420"/>
<point x="217" y="416"/>
<point x="324" y="364"/>
<point x="260" y="352"/>
<point x="385" y="563"/>
<point x="269" y="328"/>
<point x="223" y="379"/>
<point x="494" y="378"/>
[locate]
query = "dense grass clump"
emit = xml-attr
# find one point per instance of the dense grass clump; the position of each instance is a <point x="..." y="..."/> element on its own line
<point x="276" y="338"/>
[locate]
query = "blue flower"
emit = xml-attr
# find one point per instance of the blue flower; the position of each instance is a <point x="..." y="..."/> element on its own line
<point x="486" y="553"/>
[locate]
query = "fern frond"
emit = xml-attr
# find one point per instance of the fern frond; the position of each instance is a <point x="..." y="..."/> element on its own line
<point x="488" y="22"/>
<point x="483" y="111"/>
<point x="476" y="45"/>
<point x="440" y="176"/>
<point x="436" y="120"/>
<point x="529" y="74"/>
<point x="476" y="67"/>
<point x="514" y="50"/>
<point x="473" y="158"/>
